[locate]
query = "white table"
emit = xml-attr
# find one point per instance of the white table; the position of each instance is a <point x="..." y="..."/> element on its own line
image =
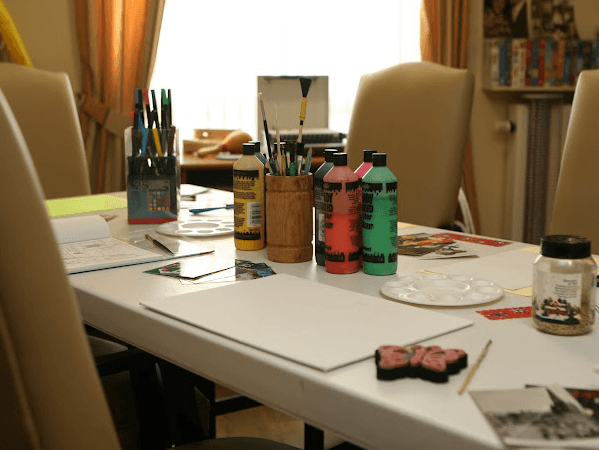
<point x="350" y="402"/>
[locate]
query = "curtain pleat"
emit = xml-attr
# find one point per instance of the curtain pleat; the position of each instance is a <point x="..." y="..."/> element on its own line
<point x="117" y="45"/>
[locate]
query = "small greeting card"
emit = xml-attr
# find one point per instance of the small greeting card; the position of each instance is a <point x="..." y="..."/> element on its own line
<point x="193" y="268"/>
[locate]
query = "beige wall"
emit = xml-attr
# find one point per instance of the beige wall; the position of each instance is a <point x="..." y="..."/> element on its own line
<point x="47" y="28"/>
<point x="48" y="32"/>
<point x="488" y="147"/>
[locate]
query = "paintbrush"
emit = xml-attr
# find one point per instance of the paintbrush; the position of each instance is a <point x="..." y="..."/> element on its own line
<point x="278" y="136"/>
<point x="305" y="84"/>
<point x="308" y="164"/>
<point x="273" y="163"/>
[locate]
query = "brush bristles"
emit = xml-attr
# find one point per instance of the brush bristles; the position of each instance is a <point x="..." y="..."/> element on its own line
<point x="305" y="83"/>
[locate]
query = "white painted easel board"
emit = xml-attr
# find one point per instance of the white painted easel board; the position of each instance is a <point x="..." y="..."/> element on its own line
<point x="320" y="326"/>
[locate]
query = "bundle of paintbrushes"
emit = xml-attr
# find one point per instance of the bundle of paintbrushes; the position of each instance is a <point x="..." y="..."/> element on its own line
<point x="288" y="158"/>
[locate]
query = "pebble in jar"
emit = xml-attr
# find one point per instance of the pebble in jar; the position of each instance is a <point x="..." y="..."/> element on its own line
<point x="564" y="283"/>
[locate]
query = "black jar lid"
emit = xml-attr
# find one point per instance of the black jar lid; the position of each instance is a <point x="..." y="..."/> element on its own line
<point x="565" y="246"/>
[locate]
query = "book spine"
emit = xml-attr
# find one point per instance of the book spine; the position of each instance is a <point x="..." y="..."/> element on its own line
<point x="522" y="80"/>
<point x="541" y="62"/>
<point x="567" y="64"/>
<point x="549" y="78"/>
<point x="587" y="59"/>
<point x="503" y="62"/>
<point x="518" y="62"/>
<point x="528" y="62"/>
<point x="492" y="52"/>
<point x="559" y="62"/>
<point x="534" y="63"/>
<point x="516" y="66"/>
<point x="577" y="61"/>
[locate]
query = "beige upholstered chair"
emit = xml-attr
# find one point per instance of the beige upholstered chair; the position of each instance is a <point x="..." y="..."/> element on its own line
<point x="574" y="209"/>
<point x="419" y="114"/>
<point x="45" y="108"/>
<point x="50" y="393"/>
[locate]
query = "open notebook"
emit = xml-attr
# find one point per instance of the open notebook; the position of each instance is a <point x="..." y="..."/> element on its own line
<point x="320" y="326"/>
<point x="85" y="244"/>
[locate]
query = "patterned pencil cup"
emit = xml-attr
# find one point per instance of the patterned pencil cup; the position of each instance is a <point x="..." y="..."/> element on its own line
<point x="153" y="178"/>
<point x="289" y="218"/>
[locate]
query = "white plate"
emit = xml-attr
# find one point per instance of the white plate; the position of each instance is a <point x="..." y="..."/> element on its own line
<point x="441" y="290"/>
<point x="197" y="228"/>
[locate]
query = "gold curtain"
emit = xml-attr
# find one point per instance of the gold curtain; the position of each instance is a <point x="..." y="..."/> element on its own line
<point x="444" y="34"/>
<point x="117" y="47"/>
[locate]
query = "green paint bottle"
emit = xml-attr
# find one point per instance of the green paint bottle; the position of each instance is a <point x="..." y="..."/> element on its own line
<point x="379" y="218"/>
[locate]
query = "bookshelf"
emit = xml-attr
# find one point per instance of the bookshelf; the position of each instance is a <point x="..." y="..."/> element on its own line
<point x="533" y="53"/>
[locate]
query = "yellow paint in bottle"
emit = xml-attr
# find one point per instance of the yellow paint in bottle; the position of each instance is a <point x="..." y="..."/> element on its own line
<point x="248" y="192"/>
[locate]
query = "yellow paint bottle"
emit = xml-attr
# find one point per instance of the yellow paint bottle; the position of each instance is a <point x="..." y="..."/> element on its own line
<point x="248" y="192"/>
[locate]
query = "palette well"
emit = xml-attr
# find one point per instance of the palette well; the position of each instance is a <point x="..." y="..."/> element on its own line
<point x="197" y="228"/>
<point x="441" y="290"/>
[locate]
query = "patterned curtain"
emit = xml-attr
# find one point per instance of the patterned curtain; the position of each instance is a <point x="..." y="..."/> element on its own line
<point x="117" y="47"/>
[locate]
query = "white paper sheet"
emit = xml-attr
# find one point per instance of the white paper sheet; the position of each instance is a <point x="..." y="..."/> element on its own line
<point x="511" y="270"/>
<point x="80" y="228"/>
<point x="320" y="326"/>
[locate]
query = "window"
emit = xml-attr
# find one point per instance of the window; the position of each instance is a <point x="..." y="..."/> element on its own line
<point x="210" y="53"/>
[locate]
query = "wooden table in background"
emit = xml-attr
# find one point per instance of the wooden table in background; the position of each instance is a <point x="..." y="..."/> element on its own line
<point x="212" y="172"/>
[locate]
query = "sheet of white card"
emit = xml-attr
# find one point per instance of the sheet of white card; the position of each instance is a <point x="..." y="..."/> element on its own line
<point x="320" y="326"/>
<point x="510" y="270"/>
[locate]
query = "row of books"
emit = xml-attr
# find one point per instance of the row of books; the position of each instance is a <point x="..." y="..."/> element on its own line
<point x="539" y="62"/>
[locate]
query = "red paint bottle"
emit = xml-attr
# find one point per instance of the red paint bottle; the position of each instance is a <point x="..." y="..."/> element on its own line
<point x="343" y="218"/>
<point x="366" y="165"/>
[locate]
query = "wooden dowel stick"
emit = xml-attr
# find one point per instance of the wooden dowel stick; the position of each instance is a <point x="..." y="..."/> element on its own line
<point x="474" y="368"/>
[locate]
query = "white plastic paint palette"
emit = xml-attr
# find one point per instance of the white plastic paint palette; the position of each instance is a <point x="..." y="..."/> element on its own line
<point x="441" y="290"/>
<point x="197" y="228"/>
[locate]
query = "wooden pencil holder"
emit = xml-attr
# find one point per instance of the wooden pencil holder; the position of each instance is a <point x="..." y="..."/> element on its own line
<point x="289" y="219"/>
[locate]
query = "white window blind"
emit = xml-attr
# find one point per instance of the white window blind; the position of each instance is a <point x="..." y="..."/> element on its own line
<point x="211" y="52"/>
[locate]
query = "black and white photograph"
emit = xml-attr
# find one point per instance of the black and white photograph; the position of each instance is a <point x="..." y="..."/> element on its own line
<point x="538" y="416"/>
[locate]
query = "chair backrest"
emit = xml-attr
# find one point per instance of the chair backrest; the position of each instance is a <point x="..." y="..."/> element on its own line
<point x="48" y="380"/>
<point x="44" y="106"/>
<point x="419" y="114"/>
<point x="574" y="208"/>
